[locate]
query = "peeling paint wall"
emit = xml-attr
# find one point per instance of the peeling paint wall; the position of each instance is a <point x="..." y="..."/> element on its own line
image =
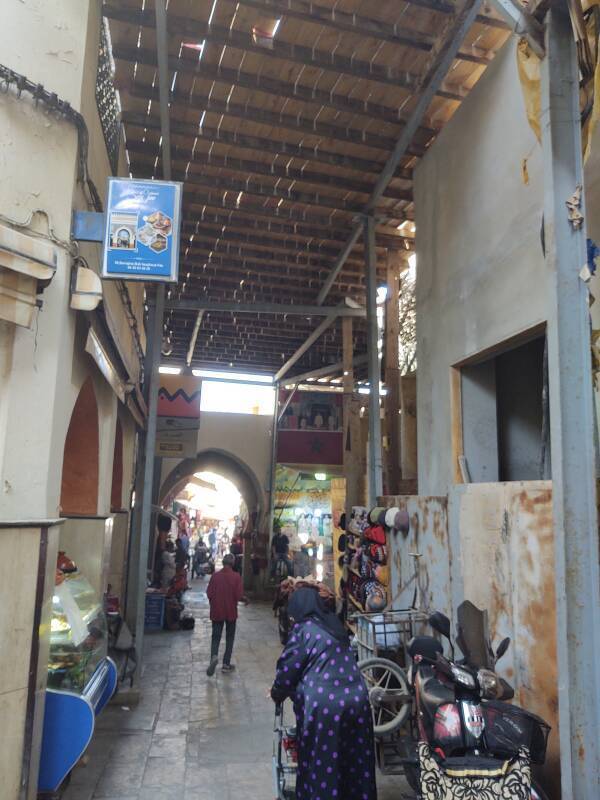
<point x="493" y="544"/>
<point x="429" y="536"/>
<point x="507" y="566"/>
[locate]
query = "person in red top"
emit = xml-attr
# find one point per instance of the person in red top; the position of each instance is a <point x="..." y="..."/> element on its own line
<point x="224" y="592"/>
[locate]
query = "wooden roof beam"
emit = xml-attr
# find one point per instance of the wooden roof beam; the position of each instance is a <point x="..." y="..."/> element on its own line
<point x="301" y="125"/>
<point x="305" y="216"/>
<point x="331" y="17"/>
<point x="229" y="287"/>
<point x="264" y="268"/>
<point x="200" y="159"/>
<point x="196" y="30"/>
<point x="283" y="309"/>
<point x="237" y="217"/>
<point x="248" y="142"/>
<point x="222" y="246"/>
<point x="288" y="284"/>
<point x="443" y="7"/>
<point x="327" y="370"/>
<point x="273" y="86"/>
<point x="306" y="345"/>
<point x="260" y="189"/>
<point x="272" y="338"/>
<point x="243" y="237"/>
<point x="246" y="328"/>
<point x="436" y="75"/>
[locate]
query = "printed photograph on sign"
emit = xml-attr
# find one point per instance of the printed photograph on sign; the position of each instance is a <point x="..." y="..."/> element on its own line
<point x="142" y="230"/>
<point x="123" y="231"/>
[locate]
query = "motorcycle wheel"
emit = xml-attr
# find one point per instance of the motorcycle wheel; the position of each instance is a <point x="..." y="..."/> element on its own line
<point x="389" y="695"/>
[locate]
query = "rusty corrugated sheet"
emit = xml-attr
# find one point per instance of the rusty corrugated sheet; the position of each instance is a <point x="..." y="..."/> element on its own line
<point x="493" y="544"/>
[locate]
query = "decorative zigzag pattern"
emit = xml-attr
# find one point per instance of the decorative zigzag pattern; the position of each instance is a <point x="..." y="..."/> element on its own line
<point x="162" y="392"/>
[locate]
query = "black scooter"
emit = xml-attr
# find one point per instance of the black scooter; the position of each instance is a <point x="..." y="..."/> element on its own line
<point x="461" y="711"/>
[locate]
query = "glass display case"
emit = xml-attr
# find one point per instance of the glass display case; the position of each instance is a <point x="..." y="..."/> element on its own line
<point x="78" y="634"/>
<point x="81" y="677"/>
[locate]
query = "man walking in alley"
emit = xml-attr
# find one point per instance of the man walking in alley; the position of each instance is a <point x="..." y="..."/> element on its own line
<point x="224" y="592"/>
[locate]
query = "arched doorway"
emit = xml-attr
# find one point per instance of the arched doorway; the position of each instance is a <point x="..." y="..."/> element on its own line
<point x="79" y="486"/>
<point x="225" y="464"/>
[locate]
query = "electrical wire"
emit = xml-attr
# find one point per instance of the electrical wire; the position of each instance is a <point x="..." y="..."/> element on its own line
<point x="64" y="109"/>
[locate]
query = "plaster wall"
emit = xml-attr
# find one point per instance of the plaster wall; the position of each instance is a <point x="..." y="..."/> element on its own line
<point x="57" y="45"/>
<point x="43" y="369"/>
<point x="481" y="276"/>
<point x="246" y="436"/>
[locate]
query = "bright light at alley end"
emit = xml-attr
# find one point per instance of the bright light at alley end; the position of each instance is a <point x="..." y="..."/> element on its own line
<point x="320" y="476"/>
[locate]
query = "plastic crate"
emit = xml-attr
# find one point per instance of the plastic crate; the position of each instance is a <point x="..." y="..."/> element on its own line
<point x="154" y="614"/>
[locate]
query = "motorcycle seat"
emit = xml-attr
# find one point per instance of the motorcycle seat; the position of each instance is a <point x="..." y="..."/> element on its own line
<point x="425" y="646"/>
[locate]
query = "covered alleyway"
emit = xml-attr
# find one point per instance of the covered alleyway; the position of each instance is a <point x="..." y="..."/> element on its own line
<point x="193" y="737"/>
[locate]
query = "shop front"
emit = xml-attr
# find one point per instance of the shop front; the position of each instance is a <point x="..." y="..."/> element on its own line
<point x="309" y="492"/>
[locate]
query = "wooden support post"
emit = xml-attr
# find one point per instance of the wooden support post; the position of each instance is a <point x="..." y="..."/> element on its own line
<point x="352" y="435"/>
<point x="392" y="471"/>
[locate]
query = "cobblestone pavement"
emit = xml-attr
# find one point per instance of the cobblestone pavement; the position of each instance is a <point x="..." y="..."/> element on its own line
<point x="193" y="737"/>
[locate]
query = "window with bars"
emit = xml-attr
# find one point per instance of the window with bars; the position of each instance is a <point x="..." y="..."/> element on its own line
<point x="107" y="99"/>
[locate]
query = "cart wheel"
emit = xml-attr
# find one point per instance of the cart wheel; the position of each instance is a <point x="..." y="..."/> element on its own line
<point x="389" y="694"/>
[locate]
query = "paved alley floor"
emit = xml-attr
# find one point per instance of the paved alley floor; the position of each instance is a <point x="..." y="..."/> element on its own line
<point x="193" y="737"/>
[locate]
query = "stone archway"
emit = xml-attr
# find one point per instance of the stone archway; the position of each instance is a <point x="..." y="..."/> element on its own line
<point x="223" y="463"/>
<point x="80" y="471"/>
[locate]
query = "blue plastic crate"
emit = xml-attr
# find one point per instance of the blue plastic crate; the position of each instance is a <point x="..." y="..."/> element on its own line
<point x="154" y="615"/>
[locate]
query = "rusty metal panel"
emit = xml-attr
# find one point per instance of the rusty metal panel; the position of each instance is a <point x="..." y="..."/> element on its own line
<point x="507" y="559"/>
<point x="428" y="535"/>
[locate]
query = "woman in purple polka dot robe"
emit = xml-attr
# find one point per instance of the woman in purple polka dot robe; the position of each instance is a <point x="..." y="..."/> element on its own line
<point x="335" y="730"/>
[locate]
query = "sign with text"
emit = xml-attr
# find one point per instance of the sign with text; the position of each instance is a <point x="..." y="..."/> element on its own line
<point x="141" y="235"/>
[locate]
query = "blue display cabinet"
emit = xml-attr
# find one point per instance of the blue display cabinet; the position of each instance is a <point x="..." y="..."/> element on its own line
<point x="81" y="678"/>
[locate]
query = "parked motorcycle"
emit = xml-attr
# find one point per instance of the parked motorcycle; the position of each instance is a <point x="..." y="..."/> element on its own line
<point x="462" y="722"/>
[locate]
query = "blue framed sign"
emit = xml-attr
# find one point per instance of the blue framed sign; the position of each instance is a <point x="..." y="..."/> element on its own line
<point x="141" y="235"/>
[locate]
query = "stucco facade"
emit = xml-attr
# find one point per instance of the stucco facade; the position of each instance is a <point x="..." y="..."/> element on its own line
<point x="43" y="369"/>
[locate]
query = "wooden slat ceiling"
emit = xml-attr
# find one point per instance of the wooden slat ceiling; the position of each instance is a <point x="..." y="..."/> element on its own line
<point x="279" y="143"/>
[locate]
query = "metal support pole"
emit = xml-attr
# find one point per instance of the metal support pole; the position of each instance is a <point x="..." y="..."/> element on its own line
<point x="392" y="375"/>
<point x="273" y="468"/>
<point x="571" y="419"/>
<point x="134" y="594"/>
<point x="353" y="472"/>
<point x="287" y="402"/>
<point x="148" y="473"/>
<point x="375" y="456"/>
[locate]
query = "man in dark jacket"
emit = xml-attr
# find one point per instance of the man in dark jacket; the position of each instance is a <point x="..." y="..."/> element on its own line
<point x="224" y="592"/>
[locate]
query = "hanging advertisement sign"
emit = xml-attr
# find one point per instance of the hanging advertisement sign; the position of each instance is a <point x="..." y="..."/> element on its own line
<point x="141" y="236"/>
